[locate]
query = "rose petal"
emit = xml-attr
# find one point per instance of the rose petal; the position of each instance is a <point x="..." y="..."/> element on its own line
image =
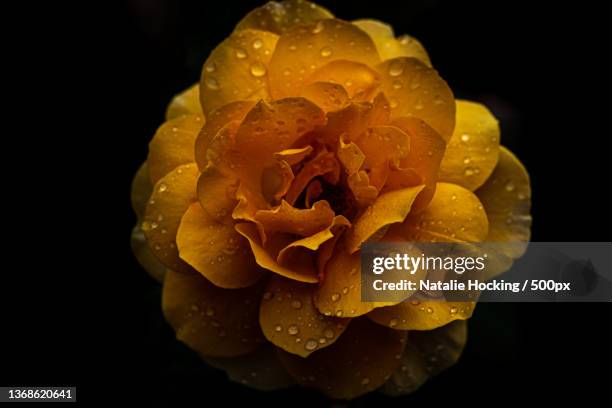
<point x="421" y="315"/>
<point x="237" y="69"/>
<point x="313" y="191"/>
<point x="293" y="156"/>
<point x="217" y="120"/>
<point x="326" y="95"/>
<point x="290" y="320"/>
<point x="172" y="145"/>
<point x="278" y="17"/>
<point x="426" y="152"/>
<point x="506" y="197"/>
<point x="303" y="49"/>
<point x="211" y="320"/>
<point x="418" y="91"/>
<point x="141" y="190"/>
<point x="216" y="250"/>
<point x="144" y="255"/>
<point x="171" y="197"/>
<point x="359" y="362"/>
<point x="217" y="194"/>
<point x="185" y="103"/>
<point x="362" y="190"/>
<point x="390" y="47"/>
<point x="260" y="369"/>
<point x="472" y="152"/>
<point x="303" y="222"/>
<point x="302" y="268"/>
<point x="454" y="215"/>
<point x="427" y="353"/>
<point x="350" y="155"/>
<point x="322" y="164"/>
<point x="389" y="208"/>
<point x="359" y="80"/>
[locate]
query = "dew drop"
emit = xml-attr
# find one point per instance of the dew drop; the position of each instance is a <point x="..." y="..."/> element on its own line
<point x="329" y="333"/>
<point x="258" y="69"/>
<point x="465" y="137"/>
<point x="296" y="304"/>
<point x="318" y="28"/>
<point x="278" y="328"/>
<point x="257" y="43"/>
<point x="241" y="53"/>
<point x="396" y="68"/>
<point x="393" y="322"/>
<point x="335" y="297"/>
<point x="311" y="344"/>
<point x="212" y="83"/>
<point x="365" y="381"/>
<point x="162" y="188"/>
<point x="326" y="52"/>
<point x="293" y="330"/>
<point x="510" y="186"/>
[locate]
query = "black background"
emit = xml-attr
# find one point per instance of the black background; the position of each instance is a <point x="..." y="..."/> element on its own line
<point x="78" y="310"/>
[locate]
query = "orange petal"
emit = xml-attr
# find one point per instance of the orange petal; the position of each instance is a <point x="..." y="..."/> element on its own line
<point x="172" y="145"/>
<point x="303" y="49"/>
<point x="276" y="180"/>
<point x="326" y="95"/>
<point x="237" y="69"/>
<point x="350" y="155"/>
<point x="506" y="197"/>
<point x="339" y="293"/>
<point x="314" y="241"/>
<point x="454" y="215"/>
<point x="390" y="47"/>
<point x="171" y="197"/>
<point x="416" y="90"/>
<point x="427" y="353"/>
<point x="260" y="369"/>
<point x="471" y="154"/>
<point x="293" y="156"/>
<point x="144" y="255"/>
<point x="141" y="190"/>
<point x="359" y="80"/>
<point x="302" y="268"/>
<point x="359" y="362"/>
<point x="421" y="315"/>
<point x="278" y="17"/>
<point x="303" y="222"/>
<point x="211" y="320"/>
<point x="365" y="193"/>
<point x="313" y="191"/>
<point x="217" y="194"/>
<point x="426" y="152"/>
<point x="389" y="208"/>
<point x="290" y="320"/>
<point x="185" y="103"/>
<point x="324" y="163"/>
<point x="216" y="250"/>
<point x="216" y="120"/>
<point x="326" y="251"/>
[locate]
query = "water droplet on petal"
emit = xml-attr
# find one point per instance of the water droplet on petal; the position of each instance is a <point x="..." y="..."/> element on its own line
<point x="241" y="53"/>
<point x="326" y="52"/>
<point x="258" y="69"/>
<point x="396" y="68"/>
<point x="257" y="43"/>
<point x="293" y="330"/>
<point x="311" y="344"/>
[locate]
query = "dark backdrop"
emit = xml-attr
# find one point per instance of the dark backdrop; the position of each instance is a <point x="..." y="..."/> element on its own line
<point x="90" y="316"/>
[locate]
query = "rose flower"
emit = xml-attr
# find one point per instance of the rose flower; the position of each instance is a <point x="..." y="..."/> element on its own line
<point x="306" y="137"/>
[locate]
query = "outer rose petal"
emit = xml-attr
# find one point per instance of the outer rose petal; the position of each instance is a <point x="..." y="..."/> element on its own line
<point x="144" y="255"/>
<point x="426" y="315"/>
<point x="210" y="320"/>
<point x="172" y="145"/>
<point x="278" y="17"/>
<point x="472" y="152"/>
<point x="303" y="222"/>
<point x="217" y="120"/>
<point x="141" y="190"/>
<point x="359" y="80"/>
<point x="216" y="250"/>
<point x="426" y="152"/>
<point x="290" y="320"/>
<point x="427" y="353"/>
<point x="260" y="369"/>
<point x="302" y="268"/>
<point x="359" y="362"/>
<point x="389" y="208"/>
<point x="416" y="90"/>
<point x="237" y="69"/>
<point x="453" y="215"/>
<point x="301" y="50"/>
<point x="185" y="103"/>
<point x="506" y="197"/>
<point x="390" y="47"/>
<point x="171" y="197"/>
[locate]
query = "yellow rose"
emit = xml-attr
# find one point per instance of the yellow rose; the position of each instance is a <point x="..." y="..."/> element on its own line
<point x="306" y="137"/>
